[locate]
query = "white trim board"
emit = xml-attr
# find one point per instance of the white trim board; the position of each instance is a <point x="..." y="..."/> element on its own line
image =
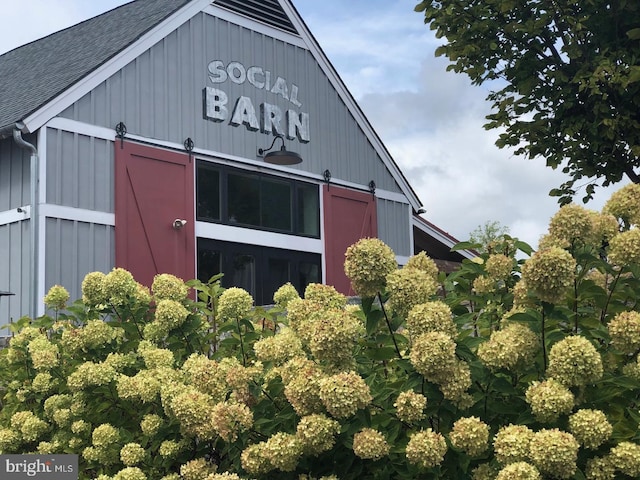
<point x="41" y="248"/>
<point x="77" y="214"/>
<point x="81" y="128"/>
<point x="402" y="260"/>
<point x="15" y="215"/>
<point x="249" y="236"/>
<point x="214" y="231"/>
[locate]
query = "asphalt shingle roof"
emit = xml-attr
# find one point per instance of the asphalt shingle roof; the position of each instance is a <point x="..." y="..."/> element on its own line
<point x="35" y="73"/>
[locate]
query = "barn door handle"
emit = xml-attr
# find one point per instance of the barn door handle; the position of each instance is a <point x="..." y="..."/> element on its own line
<point x="178" y="223"/>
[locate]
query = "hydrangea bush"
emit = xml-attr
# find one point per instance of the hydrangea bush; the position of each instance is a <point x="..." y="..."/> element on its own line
<point x="520" y="365"/>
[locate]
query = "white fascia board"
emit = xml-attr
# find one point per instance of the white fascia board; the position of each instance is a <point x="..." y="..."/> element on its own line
<point x="99" y="75"/>
<point x="250" y="236"/>
<point x="15" y="215"/>
<point x="251" y="24"/>
<point x="412" y="243"/>
<point x="347" y="98"/>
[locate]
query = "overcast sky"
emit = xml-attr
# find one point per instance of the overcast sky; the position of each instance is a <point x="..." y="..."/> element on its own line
<point x="429" y="119"/>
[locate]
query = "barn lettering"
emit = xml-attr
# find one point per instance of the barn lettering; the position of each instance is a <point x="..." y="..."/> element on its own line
<point x="268" y="118"/>
<point x="272" y="120"/>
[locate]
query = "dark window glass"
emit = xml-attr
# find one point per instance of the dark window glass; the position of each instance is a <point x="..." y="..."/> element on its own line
<point x="208" y="193"/>
<point x="209" y="263"/>
<point x="259" y="270"/>
<point x="243" y="196"/>
<point x="279" y="273"/>
<point x="308" y="273"/>
<point x="234" y="197"/>
<point x="243" y="274"/>
<point x="275" y="205"/>
<point x="308" y="210"/>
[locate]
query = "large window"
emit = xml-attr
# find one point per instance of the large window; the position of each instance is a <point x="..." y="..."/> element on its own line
<point x="255" y="200"/>
<point x="259" y="270"/>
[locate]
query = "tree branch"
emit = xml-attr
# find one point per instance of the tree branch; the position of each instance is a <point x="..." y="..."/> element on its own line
<point x="633" y="176"/>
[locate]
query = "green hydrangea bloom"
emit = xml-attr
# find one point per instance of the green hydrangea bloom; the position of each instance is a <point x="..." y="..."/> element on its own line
<point x="367" y="264"/>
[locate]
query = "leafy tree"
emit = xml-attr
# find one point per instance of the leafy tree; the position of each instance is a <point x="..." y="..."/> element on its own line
<point x="487" y="234"/>
<point x="567" y="79"/>
<point x="508" y="368"/>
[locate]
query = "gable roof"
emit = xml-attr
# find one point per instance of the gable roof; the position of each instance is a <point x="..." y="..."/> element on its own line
<point x="43" y="77"/>
<point x="37" y="72"/>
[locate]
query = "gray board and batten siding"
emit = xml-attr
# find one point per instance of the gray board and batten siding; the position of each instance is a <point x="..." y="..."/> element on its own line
<point x="14" y="236"/>
<point x="79" y="171"/>
<point x="73" y="249"/>
<point x="14" y="174"/>
<point x="79" y="174"/>
<point x="159" y="95"/>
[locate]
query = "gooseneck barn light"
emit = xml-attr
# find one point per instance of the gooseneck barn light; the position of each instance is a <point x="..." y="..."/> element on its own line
<point x="279" y="157"/>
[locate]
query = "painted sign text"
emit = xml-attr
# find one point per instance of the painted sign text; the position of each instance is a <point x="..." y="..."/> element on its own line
<point x="267" y="117"/>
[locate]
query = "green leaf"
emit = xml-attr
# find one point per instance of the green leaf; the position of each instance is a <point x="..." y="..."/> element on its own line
<point x="527" y="317"/>
<point x="465" y="246"/>
<point x="367" y="304"/>
<point x="634" y="34"/>
<point x="524" y="247"/>
<point x="502" y="385"/>
<point x="373" y="320"/>
<point x="634" y="75"/>
<point x="230" y="342"/>
<point x="383" y="353"/>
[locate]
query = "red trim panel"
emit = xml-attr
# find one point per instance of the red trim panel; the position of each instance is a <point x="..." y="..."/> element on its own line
<point x="153" y="188"/>
<point x="349" y="215"/>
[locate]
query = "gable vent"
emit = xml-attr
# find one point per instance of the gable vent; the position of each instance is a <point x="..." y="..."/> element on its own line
<point x="265" y="11"/>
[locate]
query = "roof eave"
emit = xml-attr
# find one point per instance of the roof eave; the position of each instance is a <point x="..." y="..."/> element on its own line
<point x="440" y="235"/>
<point x="58" y="103"/>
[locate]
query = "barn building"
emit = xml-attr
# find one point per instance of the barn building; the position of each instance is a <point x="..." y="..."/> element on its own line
<point x="190" y="137"/>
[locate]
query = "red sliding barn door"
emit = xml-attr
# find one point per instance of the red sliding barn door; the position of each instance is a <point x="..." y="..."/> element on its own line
<point x="154" y="188"/>
<point x="348" y="216"/>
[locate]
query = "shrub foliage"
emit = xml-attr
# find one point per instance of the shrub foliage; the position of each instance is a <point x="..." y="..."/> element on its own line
<point x="519" y="365"/>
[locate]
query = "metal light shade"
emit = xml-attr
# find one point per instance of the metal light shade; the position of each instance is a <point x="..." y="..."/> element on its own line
<point x="280" y="157"/>
<point x="283" y="157"/>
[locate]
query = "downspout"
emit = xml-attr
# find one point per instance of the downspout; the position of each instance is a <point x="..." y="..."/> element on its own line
<point x="34" y="224"/>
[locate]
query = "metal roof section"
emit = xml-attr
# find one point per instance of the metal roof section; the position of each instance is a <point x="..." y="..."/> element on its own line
<point x="265" y="11"/>
<point x="34" y="74"/>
